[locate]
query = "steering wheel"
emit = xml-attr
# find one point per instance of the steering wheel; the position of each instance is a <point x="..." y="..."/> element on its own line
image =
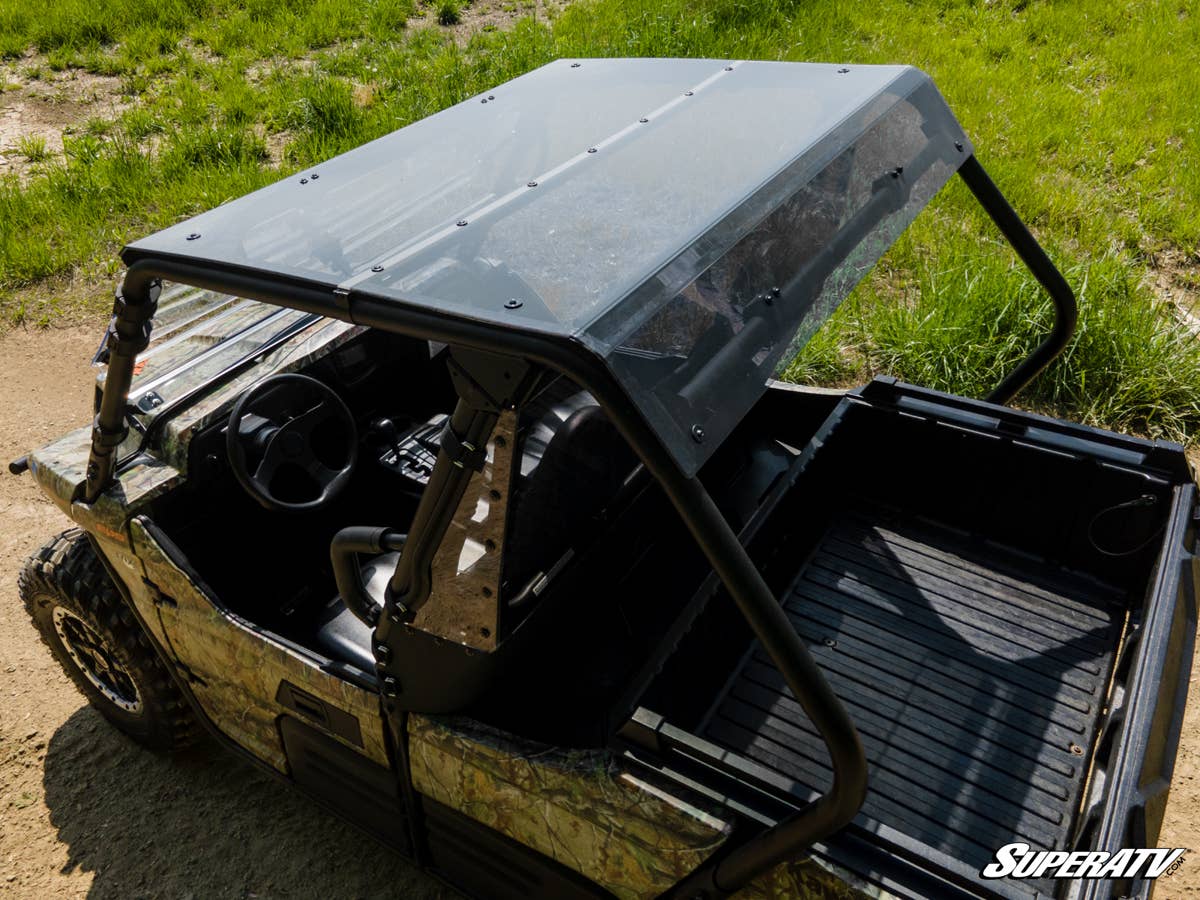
<point x="292" y="443"/>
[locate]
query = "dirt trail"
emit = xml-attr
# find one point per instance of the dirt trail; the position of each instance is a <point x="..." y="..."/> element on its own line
<point x="41" y="109"/>
<point x="83" y="811"/>
<point x="86" y="813"/>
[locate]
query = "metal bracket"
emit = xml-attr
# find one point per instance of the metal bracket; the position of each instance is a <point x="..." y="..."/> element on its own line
<point x="463" y="454"/>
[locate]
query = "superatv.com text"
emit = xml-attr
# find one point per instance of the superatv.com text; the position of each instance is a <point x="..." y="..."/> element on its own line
<point x="1018" y="860"/>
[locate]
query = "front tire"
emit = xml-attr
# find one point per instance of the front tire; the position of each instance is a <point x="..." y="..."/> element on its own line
<point x="93" y="634"/>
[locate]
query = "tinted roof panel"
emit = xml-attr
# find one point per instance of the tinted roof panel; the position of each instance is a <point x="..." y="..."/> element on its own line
<point x="641" y="206"/>
<point x="384" y="202"/>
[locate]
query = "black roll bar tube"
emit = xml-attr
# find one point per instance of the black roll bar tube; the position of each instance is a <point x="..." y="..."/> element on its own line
<point x="347" y="575"/>
<point x="1066" y="312"/>
<point x="128" y="334"/>
<point x="770" y="624"/>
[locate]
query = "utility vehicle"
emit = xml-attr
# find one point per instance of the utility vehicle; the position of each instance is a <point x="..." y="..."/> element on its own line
<point x="454" y="486"/>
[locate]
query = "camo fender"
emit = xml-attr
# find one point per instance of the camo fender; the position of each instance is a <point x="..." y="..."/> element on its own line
<point x="623" y="830"/>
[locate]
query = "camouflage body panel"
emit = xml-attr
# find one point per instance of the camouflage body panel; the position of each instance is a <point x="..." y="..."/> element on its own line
<point x="634" y="836"/>
<point x="61" y="469"/>
<point x="241" y="667"/>
<point x="132" y="573"/>
<point x="811" y="877"/>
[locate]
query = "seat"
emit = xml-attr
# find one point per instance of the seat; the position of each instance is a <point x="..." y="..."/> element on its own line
<point x="343" y="636"/>
<point x="573" y="461"/>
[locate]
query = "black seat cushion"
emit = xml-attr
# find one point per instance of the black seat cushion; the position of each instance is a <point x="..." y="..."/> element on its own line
<point x="573" y="461"/>
<point x="343" y="636"/>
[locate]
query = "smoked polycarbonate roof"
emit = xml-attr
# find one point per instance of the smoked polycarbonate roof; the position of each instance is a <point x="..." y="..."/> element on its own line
<point x="641" y="206"/>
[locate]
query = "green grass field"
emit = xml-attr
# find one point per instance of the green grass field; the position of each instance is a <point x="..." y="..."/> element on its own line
<point x="1084" y="112"/>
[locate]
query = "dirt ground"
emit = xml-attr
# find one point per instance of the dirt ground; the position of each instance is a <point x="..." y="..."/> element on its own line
<point x="86" y="813"/>
<point x="44" y="107"/>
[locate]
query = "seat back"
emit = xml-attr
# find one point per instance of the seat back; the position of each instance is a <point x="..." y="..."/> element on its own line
<point x="572" y="463"/>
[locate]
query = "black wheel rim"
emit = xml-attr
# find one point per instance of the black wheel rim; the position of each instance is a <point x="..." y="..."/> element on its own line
<point x="96" y="660"/>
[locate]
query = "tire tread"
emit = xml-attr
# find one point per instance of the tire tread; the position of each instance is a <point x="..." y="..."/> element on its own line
<point x="67" y="568"/>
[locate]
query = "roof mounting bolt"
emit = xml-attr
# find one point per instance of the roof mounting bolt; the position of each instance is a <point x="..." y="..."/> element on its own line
<point x="958" y="145"/>
<point x="775" y="292"/>
<point x="688" y="93"/>
<point x="490" y="97"/>
<point x="461" y="222"/>
<point x="843" y="71"/>
<point x="514" y="303"/>
<point x="383" y="652"/>
<point x="376" y="268"/>
<point x="729" y="68"/>
<point x="304" y="181"/>
<point x="1077" y="750"/>
<point x="391" y="687"/>
<point x="531" y="184"/>
<point x="194" y="236"/>
<point x="314" y="176"/>
<point x="829" y="642"/>
<point x="576" y="65"/>
<point x="484" y="100"/>
<point x="698" y="434"/>
<point x="643" y="120"/>
<point x="897" y="172"/>
<point x="591" y="149"/>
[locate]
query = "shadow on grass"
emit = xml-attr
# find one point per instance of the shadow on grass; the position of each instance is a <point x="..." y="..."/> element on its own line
<point x="203" y="824"/>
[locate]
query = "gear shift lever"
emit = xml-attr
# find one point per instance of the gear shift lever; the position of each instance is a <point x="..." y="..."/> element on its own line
<point x="388" y="432"/>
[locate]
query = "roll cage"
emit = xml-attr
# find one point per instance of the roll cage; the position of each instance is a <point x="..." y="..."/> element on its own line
<point x="493" y="365"/>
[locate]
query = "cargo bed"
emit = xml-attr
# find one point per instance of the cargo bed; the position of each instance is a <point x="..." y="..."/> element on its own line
<point x="986" y="635"/>
<point x="974" y="682"/>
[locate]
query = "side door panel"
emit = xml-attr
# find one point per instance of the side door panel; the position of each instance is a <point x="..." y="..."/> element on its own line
<point x="246" y="678"/>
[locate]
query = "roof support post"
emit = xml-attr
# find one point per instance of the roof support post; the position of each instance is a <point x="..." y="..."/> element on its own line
<point x="486" y="384"/>
<point x="770" y="624"/>
<point x="128" y="334"/>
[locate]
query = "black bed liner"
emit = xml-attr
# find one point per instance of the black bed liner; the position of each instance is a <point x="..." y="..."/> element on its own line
<point x="975" y="676"/>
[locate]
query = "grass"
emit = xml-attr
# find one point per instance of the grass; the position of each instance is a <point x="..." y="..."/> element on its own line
<point x="968" y="322"/>
<point x="1082" y="111"/>
<point x="448" y="13"/>
<point x="33" y="147"/>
